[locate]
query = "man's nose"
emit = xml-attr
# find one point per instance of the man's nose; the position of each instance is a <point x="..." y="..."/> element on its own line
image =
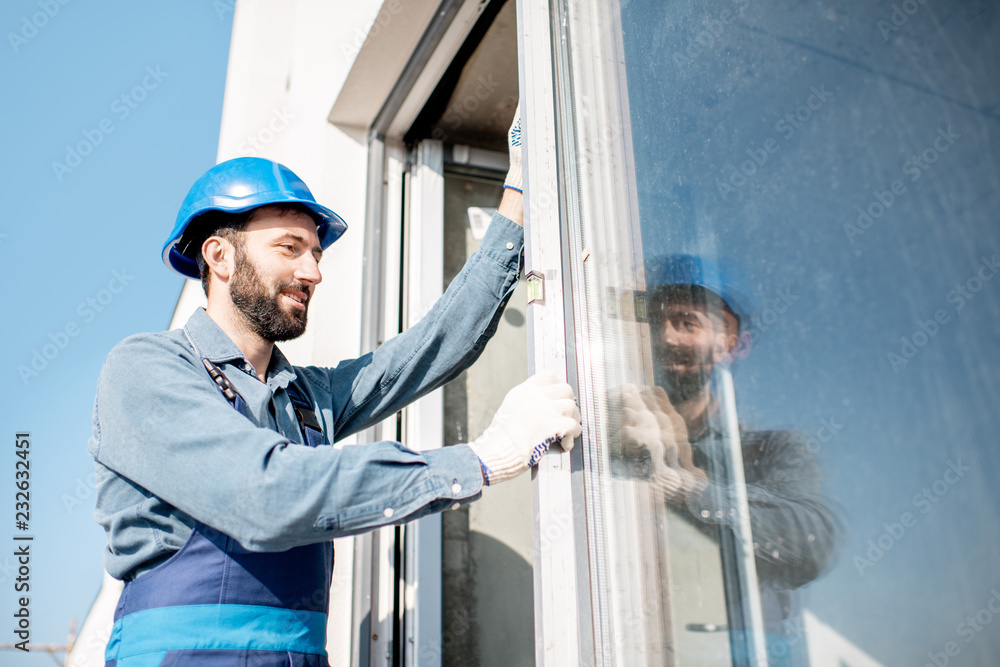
<point x="308" y="271"/>
<point x="669" y="333"/>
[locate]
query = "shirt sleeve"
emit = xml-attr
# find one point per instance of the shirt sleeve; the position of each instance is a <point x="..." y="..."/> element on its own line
<point x="794" y="530"/>
<point x="162" y="425"/>
<point x="445" y="342"/>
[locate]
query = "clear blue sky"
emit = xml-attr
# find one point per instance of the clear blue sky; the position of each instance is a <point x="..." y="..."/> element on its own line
<point x="66" y="233"/>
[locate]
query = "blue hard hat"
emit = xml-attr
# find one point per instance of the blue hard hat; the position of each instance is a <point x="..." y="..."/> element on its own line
<point x="670" y="270"/>
<point x="238" y="185"/>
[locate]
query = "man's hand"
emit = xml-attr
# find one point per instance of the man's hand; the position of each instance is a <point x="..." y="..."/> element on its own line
<point x="653" y="431"/>
<point x="533" y="415"/>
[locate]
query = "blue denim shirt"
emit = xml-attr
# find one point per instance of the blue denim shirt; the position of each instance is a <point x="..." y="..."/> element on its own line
<point x="169" y="449"/>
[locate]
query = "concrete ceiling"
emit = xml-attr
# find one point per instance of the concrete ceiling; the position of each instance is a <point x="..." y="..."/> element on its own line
<point x="479" y="109"/>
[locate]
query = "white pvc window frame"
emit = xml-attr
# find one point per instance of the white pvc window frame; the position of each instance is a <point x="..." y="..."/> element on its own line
<point x="563" y="634"/>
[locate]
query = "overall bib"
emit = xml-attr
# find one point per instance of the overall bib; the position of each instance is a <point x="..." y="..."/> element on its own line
<point x="214" y="603"/>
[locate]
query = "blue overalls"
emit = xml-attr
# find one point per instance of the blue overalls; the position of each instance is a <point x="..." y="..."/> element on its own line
<point x="214" y="603"/>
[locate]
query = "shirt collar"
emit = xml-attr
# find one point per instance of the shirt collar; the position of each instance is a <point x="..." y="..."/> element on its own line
<point x="280" y="372"/>
<point x="214" y="344"/>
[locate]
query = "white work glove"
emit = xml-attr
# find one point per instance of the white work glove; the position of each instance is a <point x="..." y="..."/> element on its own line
<point x="514" y="145"/>
<point x="652" y="429"/>
<point x="533" y="415"/>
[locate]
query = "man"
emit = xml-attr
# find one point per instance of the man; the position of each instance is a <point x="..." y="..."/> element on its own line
<point x="217" y="485"/>
<point x="700" y="319"/>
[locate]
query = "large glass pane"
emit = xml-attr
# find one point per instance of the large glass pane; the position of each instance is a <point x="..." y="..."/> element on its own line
<point x="787" y="327"/>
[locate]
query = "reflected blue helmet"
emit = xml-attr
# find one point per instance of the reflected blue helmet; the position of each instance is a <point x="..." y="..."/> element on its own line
<point x="669" y="270"/>
<point x="238" y="185"/>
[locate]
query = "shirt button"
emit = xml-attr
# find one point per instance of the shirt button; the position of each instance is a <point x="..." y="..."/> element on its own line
<point x="388" y="512"/>
<point x="456" y="489"/>
<point x="706" y="514"/>
<point x="456" y="506"/>
<point x="510" y="246"/>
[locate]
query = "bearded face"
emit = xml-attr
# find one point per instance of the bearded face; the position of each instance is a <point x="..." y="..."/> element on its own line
<point x="261" y="303"/>
<point x="690" y="336"/>
<point x="684" y="363"/>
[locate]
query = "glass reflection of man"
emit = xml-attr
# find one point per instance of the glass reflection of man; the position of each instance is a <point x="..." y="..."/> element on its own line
<point x="700" y="319"/>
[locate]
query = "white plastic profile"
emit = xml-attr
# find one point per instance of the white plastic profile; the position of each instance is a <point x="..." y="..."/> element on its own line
<point x="557" y="596"/>
<point x="423" y="422"/>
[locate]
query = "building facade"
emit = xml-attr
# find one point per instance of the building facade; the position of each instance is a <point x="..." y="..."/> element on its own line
<point x="826" y="171"/>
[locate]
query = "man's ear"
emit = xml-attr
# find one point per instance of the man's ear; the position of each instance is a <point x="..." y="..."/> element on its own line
<point x="722" y="345"/>
<point x="220" y="257"/>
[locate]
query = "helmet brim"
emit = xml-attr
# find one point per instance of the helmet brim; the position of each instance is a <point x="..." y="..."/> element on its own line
<point x="329" y="225"/>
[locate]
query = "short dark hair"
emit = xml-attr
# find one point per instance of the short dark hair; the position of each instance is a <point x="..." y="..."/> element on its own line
<point x="229" y="226"/>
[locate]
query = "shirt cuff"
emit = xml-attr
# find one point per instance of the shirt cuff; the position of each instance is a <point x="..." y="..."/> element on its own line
<point x="712" y="505"/>
<point x="458" y="472"/>
<point x="503" y="242"/>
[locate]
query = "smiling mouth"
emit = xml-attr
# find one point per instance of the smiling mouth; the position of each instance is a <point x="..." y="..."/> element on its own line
<point x="297" y="298"/>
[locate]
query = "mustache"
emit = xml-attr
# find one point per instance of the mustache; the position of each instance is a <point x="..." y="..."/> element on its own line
<point x="678" y="356"/>
<point x="293" y="287"/>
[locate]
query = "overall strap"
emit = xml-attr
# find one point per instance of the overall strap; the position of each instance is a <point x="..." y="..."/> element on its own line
<point x="308" y="421"/>
<point x="222" y="382"/>
<point x="309" y="424"/>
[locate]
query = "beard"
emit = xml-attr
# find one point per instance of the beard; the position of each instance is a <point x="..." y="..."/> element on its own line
<point x="259" y="305"/>
<point x="683" y="384"/>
